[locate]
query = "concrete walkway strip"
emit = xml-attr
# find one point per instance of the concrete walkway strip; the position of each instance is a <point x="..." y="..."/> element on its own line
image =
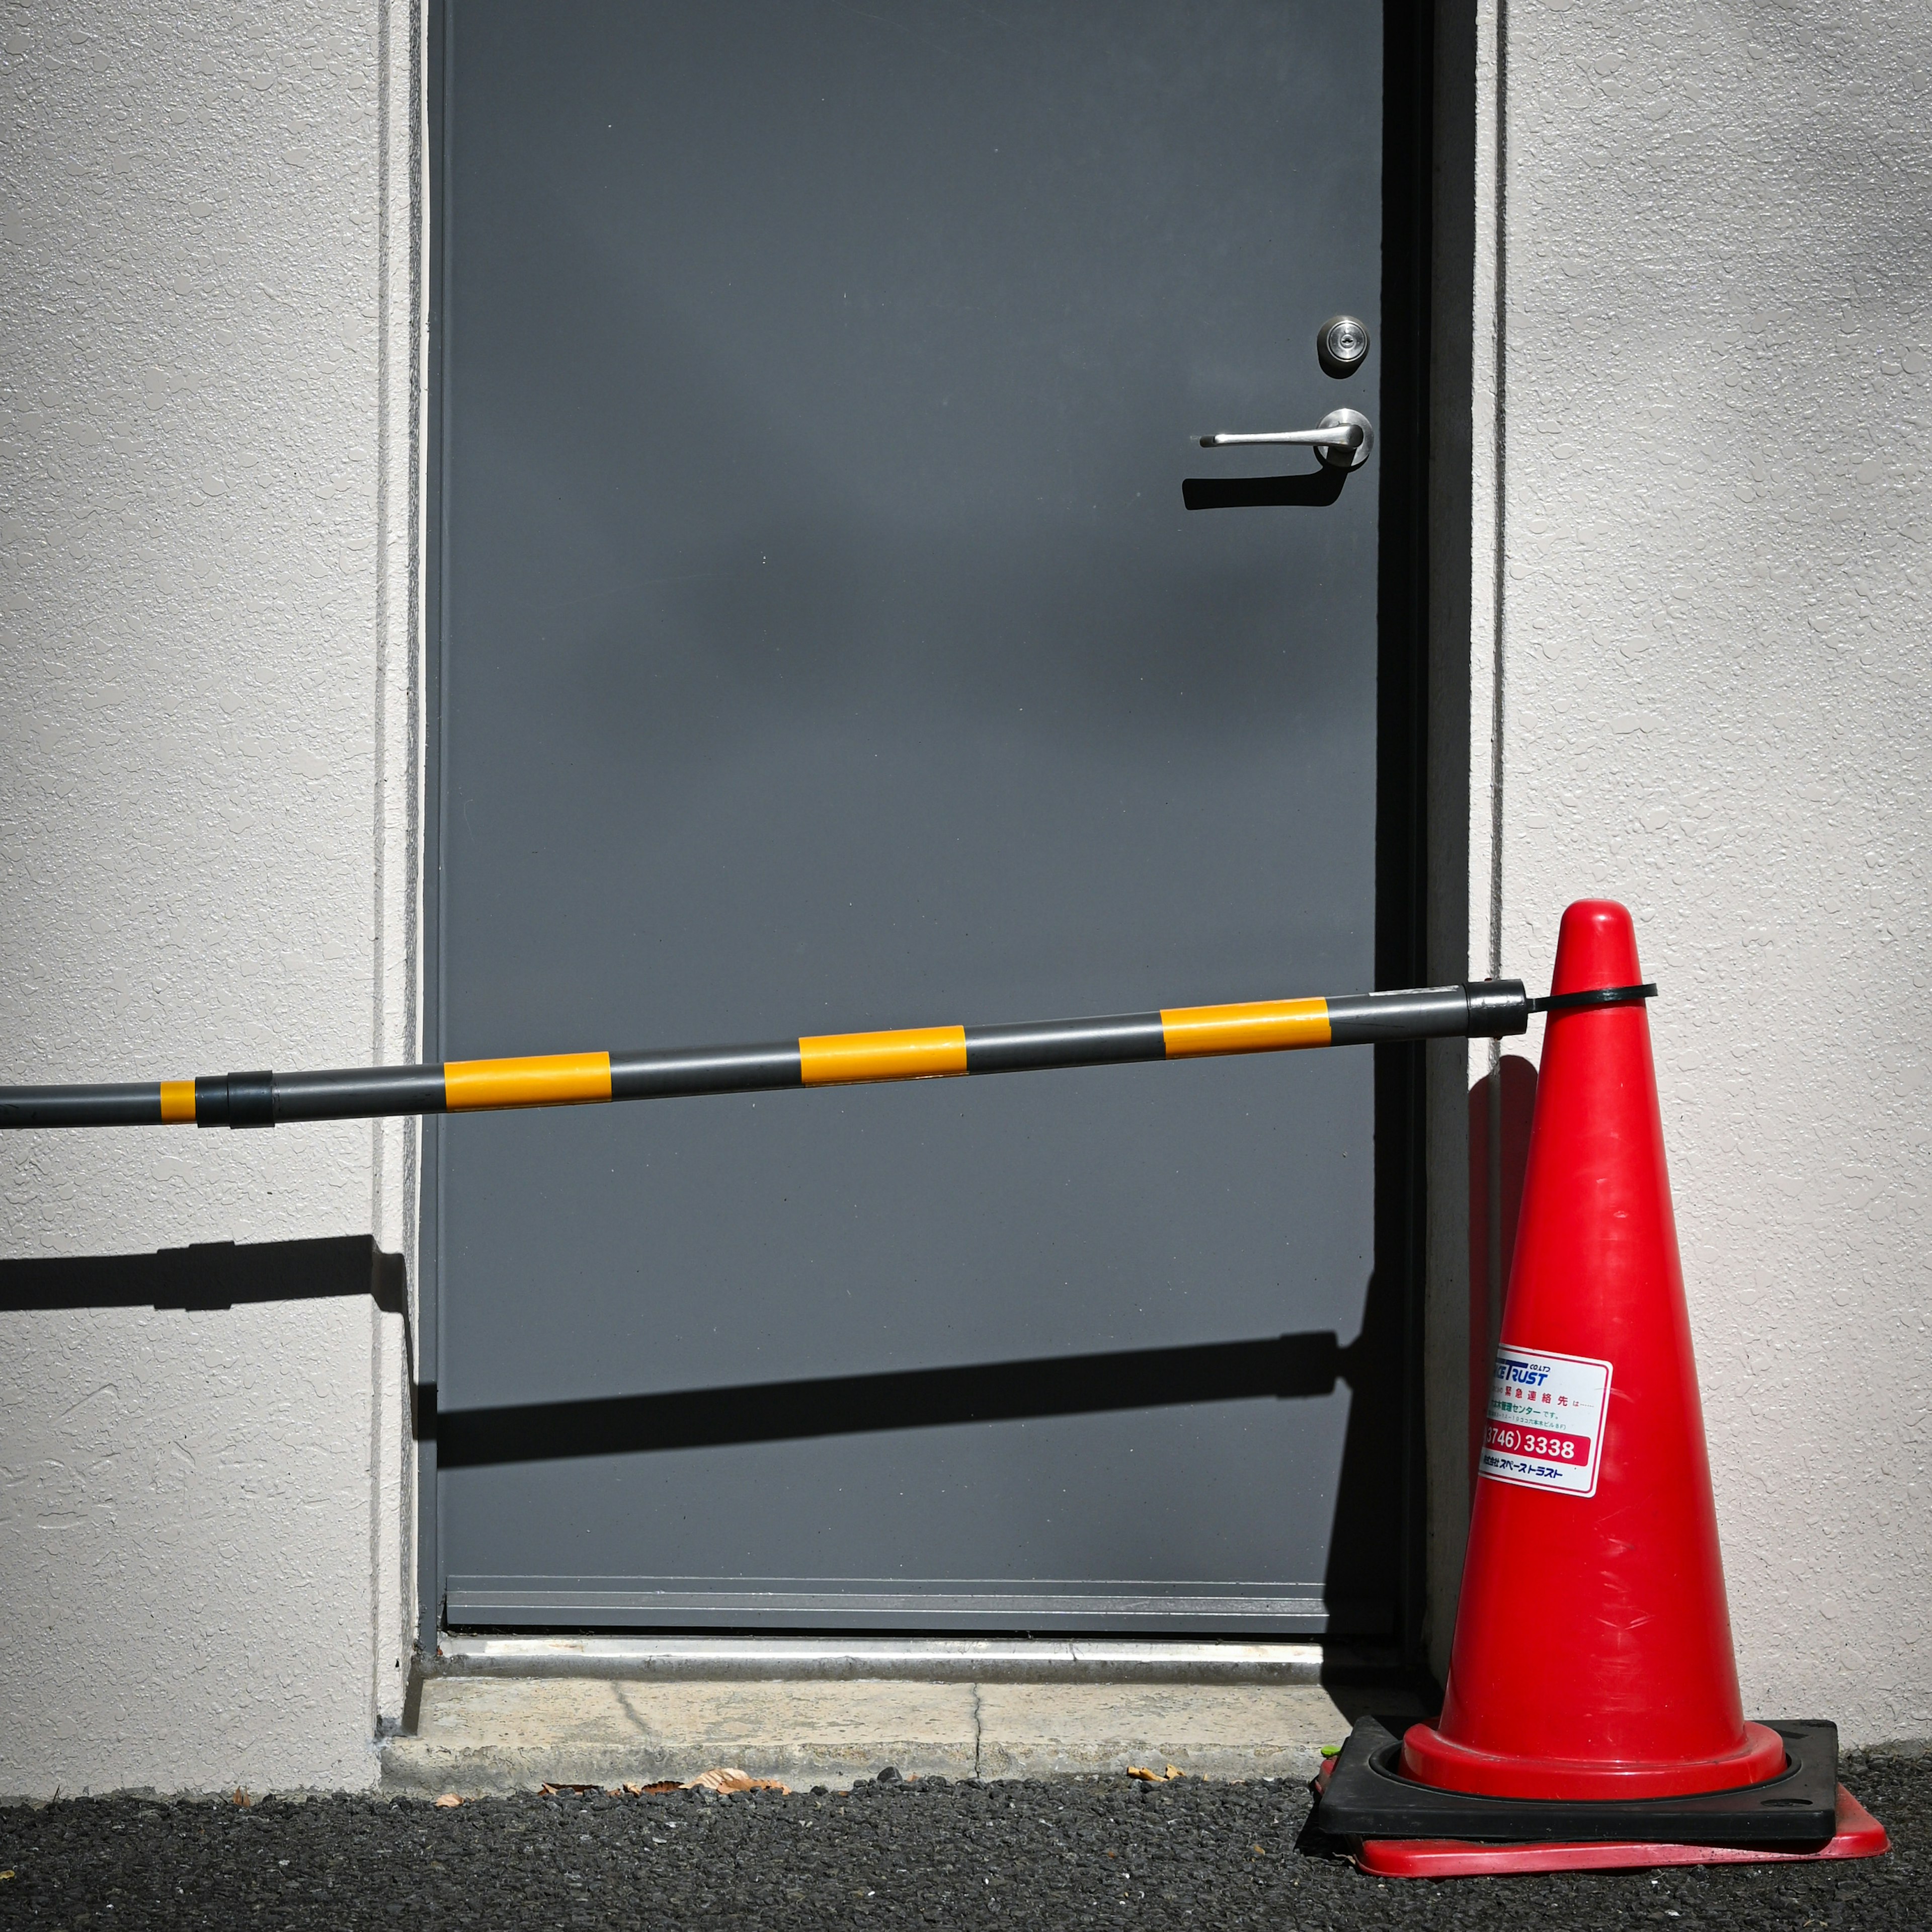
<point x="484" y="1735"/>
<point x="1061" y="1730"/>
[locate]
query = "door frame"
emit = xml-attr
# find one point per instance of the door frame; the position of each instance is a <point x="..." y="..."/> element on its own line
<point x="1413" y="762"/>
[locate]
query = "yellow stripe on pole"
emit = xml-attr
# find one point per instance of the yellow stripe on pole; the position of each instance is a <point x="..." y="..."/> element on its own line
<point x="913" y="1053"/>
<point x="177" y="1103"/>
<point x="1261" y="1026"/>
<point x="543" y="1080"/>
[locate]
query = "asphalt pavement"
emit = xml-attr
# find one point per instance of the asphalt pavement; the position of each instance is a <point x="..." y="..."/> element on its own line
<point x="1101" y="1852"/>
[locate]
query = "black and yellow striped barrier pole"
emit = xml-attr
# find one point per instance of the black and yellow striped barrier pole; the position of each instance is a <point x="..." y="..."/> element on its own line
<point x="1483" y="1009"/>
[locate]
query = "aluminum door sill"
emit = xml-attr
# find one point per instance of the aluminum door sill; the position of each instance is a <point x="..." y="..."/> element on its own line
<point x="965" y="1659"/>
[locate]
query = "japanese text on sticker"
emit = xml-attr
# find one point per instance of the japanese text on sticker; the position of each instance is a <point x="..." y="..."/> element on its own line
<point x="1545" y="1424"/>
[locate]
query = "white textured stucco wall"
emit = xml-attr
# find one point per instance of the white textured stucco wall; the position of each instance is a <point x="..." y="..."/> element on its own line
<point x="207" y="817"/>
<point x="1715" y="280"/>
<point x="1696" y="596"/>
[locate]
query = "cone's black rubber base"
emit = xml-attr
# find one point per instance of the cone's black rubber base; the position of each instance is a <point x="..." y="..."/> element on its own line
<point x="1366" y="1796"/>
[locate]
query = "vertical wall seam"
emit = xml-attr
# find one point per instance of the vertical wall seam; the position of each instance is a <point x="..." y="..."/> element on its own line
<point x="376" y="1319"/>
<point x="377" y="1129"/>
<point x="1492" y="1204"/>
<point x="1499" y="335"/>
<point x="439" y="643"/>
<point x="415" y="105"/>
<point x="418" y="635"/>
<point x="437" y="56"/>
<point x="380" y="1416"/>
<point x="410" y="1215"/>
<point x="379" y="852"/>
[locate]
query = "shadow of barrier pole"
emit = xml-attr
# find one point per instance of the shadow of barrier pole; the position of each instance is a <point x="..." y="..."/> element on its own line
<point x="1489" y="1009"/>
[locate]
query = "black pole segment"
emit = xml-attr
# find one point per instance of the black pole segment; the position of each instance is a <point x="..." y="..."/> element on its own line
<point x="251" y="1099"/>
<point x="1498" y="1008"/>
<point x="138" y="1104"/>
<point x="1035" y="1045"/>
<point x="1484" y="1010"/>
<point x="1377" y="1019"/>
<point x="687" y="1071"/>
<point x="235" y="1099"/>
<point x="359" y="1093"/>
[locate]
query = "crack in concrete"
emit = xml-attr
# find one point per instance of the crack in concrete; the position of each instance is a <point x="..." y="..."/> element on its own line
<point x="976" y="1730"/>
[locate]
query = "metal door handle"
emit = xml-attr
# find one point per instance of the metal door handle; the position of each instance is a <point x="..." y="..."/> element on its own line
<point x="1344" y="437"/>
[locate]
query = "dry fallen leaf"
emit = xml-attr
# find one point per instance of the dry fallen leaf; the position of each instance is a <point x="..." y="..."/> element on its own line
<point x="448" y="1801"/>
<point x="728" y="1778"/>
<point x="566" y="1790"/>
<point x="1155" y="1777"/>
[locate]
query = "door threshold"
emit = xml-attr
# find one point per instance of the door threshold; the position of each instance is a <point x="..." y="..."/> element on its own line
<point x="502" y="1713"/>
<point x="927" y="1659"/>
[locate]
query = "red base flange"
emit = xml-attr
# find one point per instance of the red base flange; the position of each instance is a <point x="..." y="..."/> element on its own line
<point x="1859" y="1835"/>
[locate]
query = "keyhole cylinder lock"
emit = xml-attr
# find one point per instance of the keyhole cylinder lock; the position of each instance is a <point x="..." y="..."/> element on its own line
<point x="1342" y="345"/>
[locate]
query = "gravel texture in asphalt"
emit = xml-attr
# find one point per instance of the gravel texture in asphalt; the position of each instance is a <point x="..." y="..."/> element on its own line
<point x="1100" y="1852"/>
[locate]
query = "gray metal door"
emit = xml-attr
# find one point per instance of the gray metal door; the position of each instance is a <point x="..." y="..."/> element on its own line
<point x="823" y="645"/>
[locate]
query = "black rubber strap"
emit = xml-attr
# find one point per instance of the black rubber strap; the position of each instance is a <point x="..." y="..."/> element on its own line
<point x="1596" y="996"/>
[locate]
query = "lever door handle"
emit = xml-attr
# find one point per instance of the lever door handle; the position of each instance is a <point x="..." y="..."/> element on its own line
<point x="1344" y="438"/>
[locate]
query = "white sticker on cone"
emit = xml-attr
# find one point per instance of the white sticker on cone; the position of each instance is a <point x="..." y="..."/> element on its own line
<point x="1546" y="1425"/>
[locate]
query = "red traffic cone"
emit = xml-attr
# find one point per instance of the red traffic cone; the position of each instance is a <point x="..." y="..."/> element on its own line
<point x="1592" y="1656"/>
